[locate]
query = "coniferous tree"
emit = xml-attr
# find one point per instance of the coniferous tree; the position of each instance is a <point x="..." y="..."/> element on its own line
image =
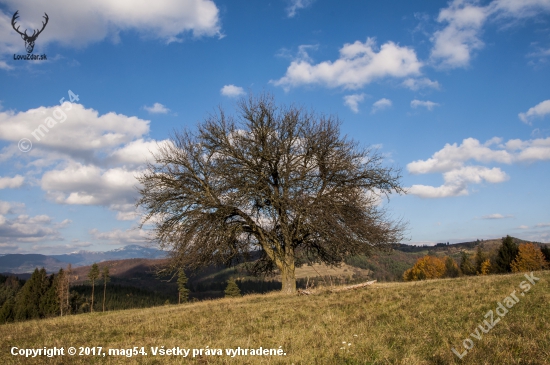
<point x="485" y="268"/>
<point x="529" y="258"/>
<point x="479" y="258"/>
<point x="93" y="275"/>
<point x="28" y="299"/>
<point x="546" y="252"/>
<point x="451" y="268"/>
<point x="232" y="290"/>
<point x="183" y="291"/>
<point x="49" y="302"/>
<point x="466" y="265"/>
<point x="105" y="278"/>
<point x="506" y="254"/>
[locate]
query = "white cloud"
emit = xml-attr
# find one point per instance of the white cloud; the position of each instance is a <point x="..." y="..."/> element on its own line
<point x="24" y="228"/>
<point x="77" y="132"/>
<point x="454" y="44"/>
<point x="232" y="91"/>
<point x="120" y="237"/>
<point x="456" y="181"/>
<point x="359" y="64"/>
<point x="453" y="156"/>
<point x="11" y="207"/>
<point x="90" y="185"/>
<point x="496" y="216"/>
<point x="352" y="101"/>
<point x="157" y="108"/>
<point x="11" y="182"/>
<point x="381" y="105"/>
<point x="135" y="153"/>
<point x="427" y="104"/>
<point x="296" y="5"/>
<point x="420" y="83"/>
<point x="452" y="159"/>
<point x="519" y="8"/>
<point x="523" y="227"/>
<point x="539" y="110"/>
<point x="94" y="21"/>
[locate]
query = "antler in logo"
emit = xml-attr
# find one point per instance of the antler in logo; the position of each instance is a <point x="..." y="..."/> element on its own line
<point x="29" y="40"/>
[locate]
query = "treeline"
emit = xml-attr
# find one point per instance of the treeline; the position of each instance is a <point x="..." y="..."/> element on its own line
<point x="509" y="258"/>
<point x="43" y="296"/>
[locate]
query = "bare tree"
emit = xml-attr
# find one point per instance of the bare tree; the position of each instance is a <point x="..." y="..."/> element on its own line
<point x="68" y="274"/>
<point x="62" y="289"/>
<point x="106" y="278"/>
<point x="93" y="275"/>
<point x="276" y="183"/>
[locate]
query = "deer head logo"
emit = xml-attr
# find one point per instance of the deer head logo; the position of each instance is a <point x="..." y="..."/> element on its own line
<point x="29" y="39"/>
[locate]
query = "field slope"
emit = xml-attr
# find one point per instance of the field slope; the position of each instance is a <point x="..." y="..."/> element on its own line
<point x="388" y="323"/>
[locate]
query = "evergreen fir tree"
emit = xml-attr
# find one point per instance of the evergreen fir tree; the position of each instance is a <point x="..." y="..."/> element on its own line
<point x="92" y="277"/>
<point x="506" y="254"/>
<point x="49" y="303"/>
<point x="466" y="265"/>
<point x="451" y="268"/>
<point x="546" y="252"/>
<point x="183" y="291"/>
<point x="479" y="258"/>
<point x="232" y="290"/>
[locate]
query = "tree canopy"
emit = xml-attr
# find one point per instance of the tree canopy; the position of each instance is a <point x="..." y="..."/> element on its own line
<point x="276" y="184"/>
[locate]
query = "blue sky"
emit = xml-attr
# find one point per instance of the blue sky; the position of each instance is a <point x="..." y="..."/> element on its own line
<point x="454" y="93"/>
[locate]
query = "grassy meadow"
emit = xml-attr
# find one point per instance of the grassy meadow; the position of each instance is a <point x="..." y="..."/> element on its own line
<point x="386" y="323"/>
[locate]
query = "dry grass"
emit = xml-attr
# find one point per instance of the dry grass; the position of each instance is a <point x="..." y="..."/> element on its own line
<point x="386" y="323"/>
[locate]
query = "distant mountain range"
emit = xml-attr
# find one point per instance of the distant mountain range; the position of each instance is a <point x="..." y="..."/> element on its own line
<point x="25" y="263"/>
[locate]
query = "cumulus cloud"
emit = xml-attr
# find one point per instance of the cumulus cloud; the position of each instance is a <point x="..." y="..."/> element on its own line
<point x="457" y="181"/>
<point x="420" y="83"/>
<point x="135" y="153"/>
<point x="358" y="65"/>
<point x="94" y="21"/>
<point x="24" y="228"/>
<point x="232" y="91"/>
<point x="426" y="104"/>
<point x="454" y="44"/>
<point x="381" y="105"/>
<point x="451" y="161"/>
<point x="539" y="110"/>
<point x="157" y="108"/>
<point x="352" y="101"/>
<point x="11" y="182"/>
<point x="69" y="130"/>
<point x="296" y="5"/>
<point x="84" y="158"/>
<point x="90" y="185"/>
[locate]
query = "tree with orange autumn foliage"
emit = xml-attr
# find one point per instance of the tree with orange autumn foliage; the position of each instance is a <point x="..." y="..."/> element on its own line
<point x="529" y="258"/>
<point x="485" y="268"/>
<point x="427" y="267"/>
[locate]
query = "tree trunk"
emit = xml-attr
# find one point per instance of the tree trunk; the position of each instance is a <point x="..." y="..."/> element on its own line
<point x="104" y="292"/>
<point x="92" y="306"/>
<point x="288" y="276"/>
